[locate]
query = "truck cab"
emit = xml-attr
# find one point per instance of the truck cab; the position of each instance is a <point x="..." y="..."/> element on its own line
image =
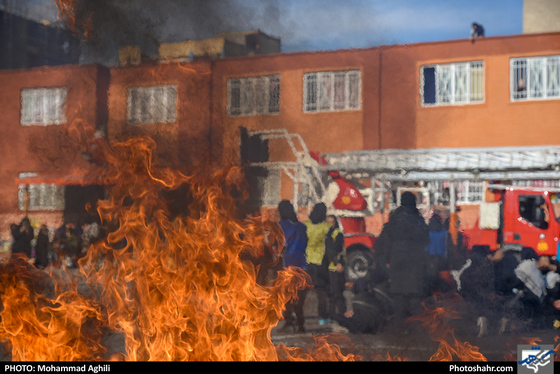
<point x="514" y="217"/>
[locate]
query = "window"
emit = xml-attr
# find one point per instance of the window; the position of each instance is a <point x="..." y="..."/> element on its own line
<point x="533" y="209"/>
<point x="153" y="104"/>
<point x="254" y="95"/>
<point x="470" y="191"/>
<point x="456" y="83"/>
<point x="43" y="106"/>
<point x="332" y="91"/>
<point x="41" y="197"/>
<point x="269" y="188"/>
<point x="534" y="78"/>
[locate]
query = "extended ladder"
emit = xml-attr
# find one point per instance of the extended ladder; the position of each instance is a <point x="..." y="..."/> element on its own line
<point x="541" y="162"/>
<point x="385" y="167"/>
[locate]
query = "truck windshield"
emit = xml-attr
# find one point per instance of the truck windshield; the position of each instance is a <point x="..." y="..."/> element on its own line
<point x="533" y="208"/>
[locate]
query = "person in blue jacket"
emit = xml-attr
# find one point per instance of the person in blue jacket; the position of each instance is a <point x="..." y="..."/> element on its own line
<point x="293" y="254"/>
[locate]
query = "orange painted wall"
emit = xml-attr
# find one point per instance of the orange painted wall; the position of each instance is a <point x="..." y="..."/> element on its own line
<point x="495" y="122"/>
<point x="324" y="131"/>
<point x="48" y="150"/>
<point x="183" y="144"/>
<point x="391" y="115"/>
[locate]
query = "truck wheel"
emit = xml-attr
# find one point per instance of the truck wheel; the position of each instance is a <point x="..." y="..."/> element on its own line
<point x="358" y="263"/>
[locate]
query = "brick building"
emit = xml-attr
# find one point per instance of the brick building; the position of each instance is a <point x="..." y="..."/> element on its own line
<point x="42" y="164"/>
<point x="493" y="92"/>
<point x="541" y="16"/>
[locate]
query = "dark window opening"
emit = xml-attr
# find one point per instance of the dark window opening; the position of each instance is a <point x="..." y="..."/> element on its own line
<point x="429" y="85"/>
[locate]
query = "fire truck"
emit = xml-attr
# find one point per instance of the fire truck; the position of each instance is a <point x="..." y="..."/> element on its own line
<point x="516" y="190"/>
<point x="517" y="217"/>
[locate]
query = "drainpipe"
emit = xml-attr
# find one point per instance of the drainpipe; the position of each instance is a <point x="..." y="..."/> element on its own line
<point x="379" y="132"/>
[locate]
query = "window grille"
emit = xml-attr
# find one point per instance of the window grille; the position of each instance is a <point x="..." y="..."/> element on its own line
<point x="539" y="183"/>
<point x="466" y="192"/>
<point x="153" y="104"/>
<point x="43" y="106"/>
<point x="332" y="91"/>
<point x="534" y="78"/>
<point x="41" y="197"/>
<point x="470" y="192"/>
<point x="253" y="95"/>
<point x="449" y="84"/>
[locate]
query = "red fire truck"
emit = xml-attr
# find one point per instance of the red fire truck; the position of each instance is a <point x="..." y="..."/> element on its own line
<point x="509" y="217"/>
<point x="517" y="217"/>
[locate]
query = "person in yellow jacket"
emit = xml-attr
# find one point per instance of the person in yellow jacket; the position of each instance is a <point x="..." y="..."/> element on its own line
<point x="317" y="262"/>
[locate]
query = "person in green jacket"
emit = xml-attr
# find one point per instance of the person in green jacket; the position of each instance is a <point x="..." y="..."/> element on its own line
<point x="317" y="262"/>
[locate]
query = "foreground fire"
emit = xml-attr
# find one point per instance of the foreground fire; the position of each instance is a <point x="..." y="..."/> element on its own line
<point x="436" y="319"/>
<point x="174" y="289"/>
<point x="178" y="289"/>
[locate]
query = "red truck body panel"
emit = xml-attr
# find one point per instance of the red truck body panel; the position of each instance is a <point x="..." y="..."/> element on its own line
<point x="517" y="227"/>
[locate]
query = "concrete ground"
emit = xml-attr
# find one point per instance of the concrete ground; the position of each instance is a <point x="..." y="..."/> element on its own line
<point x="416" y="345"/>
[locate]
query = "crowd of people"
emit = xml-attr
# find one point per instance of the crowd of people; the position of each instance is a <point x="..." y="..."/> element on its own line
<point x="506" y="289"/>
<point x="500" y="288"/>
<point x="66" y="244"/>
<point x="315" y="246"/>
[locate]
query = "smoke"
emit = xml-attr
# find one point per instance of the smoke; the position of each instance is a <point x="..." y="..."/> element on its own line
<point x="147" y="23"/>
<point x="301" y="25"/>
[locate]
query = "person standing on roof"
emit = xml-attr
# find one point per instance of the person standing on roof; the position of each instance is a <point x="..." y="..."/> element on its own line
<point x="477" y="31"/>
<point x="317" y="262"/>
<point x="293" y="254"/>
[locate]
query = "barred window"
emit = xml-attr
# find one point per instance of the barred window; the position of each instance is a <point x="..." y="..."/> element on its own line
<point x="253" y="95"/>
<point x="449" y="84"/>
<point x="534" y="78"/>
<point x="41" y="197"/>
<point x="332" y="91"/>
<point x="153" y="104"/>
<point x="470" y="191"/>
<point x="43" y="106"/>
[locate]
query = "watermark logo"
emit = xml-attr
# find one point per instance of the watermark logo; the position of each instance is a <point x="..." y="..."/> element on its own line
<point x="533" y="359"/>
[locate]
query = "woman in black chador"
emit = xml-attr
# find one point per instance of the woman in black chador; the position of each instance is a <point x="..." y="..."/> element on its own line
<point x="402" y="243"/>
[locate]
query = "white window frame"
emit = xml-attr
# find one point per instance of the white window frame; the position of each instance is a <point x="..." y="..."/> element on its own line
<point x="159" y="104"/>
<point x="43" y="106"/>
<point x="43" y="196"/>
<point x="269" y="188"/>
<point x="535" y="78"/>
<point x="322" y="91"/>
<point x="470" y="192"/>
<point x="454" y="83"/>
<point x="252" y="96"/>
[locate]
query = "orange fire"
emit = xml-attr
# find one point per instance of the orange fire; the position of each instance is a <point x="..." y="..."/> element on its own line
<point x="181" y="289"/>
<point x="326" y="348"/>
<point x="178" y="289"/>
<point x="450" y="347"/>
<point x="77" y="23"/>
<point x="437" y="319"/>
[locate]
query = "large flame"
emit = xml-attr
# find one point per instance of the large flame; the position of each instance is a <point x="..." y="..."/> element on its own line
<point x="80" y="24"/>
<point x="174" y="287"/>
<point x="181" y="289"/>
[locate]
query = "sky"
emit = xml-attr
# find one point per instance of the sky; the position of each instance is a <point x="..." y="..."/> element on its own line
<point x="308" y="24"/>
